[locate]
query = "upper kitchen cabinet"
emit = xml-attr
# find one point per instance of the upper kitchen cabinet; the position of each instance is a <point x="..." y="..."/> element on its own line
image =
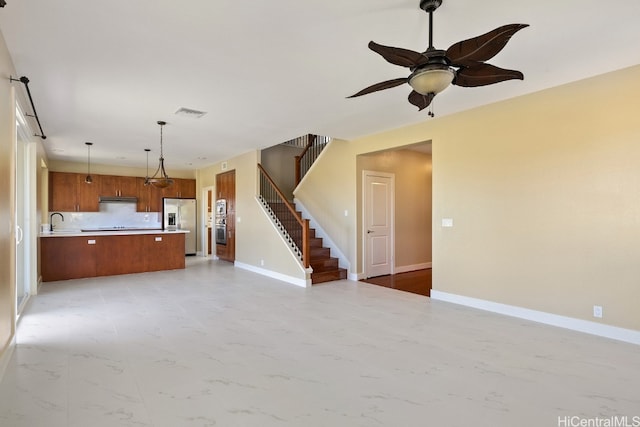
<point x="69" y="193"/>
<point x="182" y="188"/>
<point x="149" y="197"/>
<point x="118" y="186"/>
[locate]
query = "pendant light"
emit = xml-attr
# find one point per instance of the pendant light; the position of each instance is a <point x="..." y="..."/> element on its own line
<point x="88" y="178"/>
<point x="146" y="178"/>
<point x="163" y="180"/>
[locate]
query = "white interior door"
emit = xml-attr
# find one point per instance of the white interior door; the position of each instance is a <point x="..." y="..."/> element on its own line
<point x="378" y="223"/>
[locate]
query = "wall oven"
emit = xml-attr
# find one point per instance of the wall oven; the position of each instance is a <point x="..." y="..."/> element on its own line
<point x="221" y="231"/>
<point x="221" y="222"/>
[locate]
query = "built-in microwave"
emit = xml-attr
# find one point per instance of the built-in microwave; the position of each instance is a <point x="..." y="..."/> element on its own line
<point x="221" y="207"/>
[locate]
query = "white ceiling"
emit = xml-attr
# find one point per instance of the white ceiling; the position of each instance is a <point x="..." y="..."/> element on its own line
<point x="269" y="71"/>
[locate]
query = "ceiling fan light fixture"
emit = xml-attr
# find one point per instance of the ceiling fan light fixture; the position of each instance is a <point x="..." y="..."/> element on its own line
<point x="462" y="64"/>
<point x="432" y="79"/>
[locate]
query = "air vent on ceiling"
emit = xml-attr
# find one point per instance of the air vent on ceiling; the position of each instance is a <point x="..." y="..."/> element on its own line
<point x="189" y="112"/>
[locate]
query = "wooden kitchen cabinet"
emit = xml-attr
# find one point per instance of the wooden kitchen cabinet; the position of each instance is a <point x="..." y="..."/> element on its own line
<point x="164" y="247"/>
<point x="69" y="193"/>
<point x="62" y="192"/>
<point x="118" y="186"/>
<point x="68" y="258"/>
<point x="74" y="257"/>
<point x="181" y="188"/>
<point x="120" y="254"/>
<point x="149" y="197"/>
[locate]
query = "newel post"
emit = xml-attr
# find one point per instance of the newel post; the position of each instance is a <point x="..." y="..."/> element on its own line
<point x="306" y="256"/>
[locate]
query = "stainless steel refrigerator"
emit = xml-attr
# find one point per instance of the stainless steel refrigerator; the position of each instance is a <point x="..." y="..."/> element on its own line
<point x="180" y="214"/>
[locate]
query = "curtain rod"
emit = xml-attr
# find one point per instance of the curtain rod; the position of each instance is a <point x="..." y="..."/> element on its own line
<point x="25" y="81"/>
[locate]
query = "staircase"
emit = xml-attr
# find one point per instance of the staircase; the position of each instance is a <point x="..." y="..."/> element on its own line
<point x="325" y="267"/>
<point x="295" y="229"/>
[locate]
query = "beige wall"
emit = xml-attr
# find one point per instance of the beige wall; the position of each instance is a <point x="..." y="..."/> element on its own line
<point x="257" y="244"/>
<point x="412" y="171"/>
<point x="7" y="201"/>
<point x="328" y="190"/>
<point x="279" y="162"/>
<point x="544" y="192"/>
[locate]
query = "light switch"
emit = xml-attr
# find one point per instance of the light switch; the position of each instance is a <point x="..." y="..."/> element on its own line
<point x="447" y="222"/>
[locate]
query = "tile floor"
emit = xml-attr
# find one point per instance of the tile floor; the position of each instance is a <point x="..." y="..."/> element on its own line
<point x="217" y="346"/>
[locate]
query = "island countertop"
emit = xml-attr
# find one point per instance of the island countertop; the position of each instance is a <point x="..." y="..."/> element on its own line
<point x="114" y="232"/>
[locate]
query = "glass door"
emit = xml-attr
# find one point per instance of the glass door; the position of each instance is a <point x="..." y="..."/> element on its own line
<point x="21" y="210"/>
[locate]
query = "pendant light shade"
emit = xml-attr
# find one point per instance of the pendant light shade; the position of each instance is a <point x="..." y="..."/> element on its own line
<point x="160" y="179"/>
<point x="88" y="178"/>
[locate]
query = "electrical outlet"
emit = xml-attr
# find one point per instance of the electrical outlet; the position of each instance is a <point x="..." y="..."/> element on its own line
<point x="597" y="311"/>
<point x="262" y="262"/>
<point x="447" y="222"/>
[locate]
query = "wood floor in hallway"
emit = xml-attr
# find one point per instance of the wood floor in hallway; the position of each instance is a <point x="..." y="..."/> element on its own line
<point x="417" y="282"/>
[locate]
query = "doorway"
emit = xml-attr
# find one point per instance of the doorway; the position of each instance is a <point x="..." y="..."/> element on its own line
<point x="207" y="212"/>
<point x="411" y="167"/>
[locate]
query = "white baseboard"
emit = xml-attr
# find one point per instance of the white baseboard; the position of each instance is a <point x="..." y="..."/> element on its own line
<point x="414" y="267"/>
<point x="6" y="356"/>
<point x="593" y="328"/>
<point x="274" y="275"/>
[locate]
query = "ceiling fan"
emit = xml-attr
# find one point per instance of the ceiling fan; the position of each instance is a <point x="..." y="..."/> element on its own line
<point x="432" y="71"/>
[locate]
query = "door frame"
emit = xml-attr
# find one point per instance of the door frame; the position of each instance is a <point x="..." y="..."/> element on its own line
<point x="205" y="221"/>
<point x="25" y="210"/>
<point x="392" y="232"/>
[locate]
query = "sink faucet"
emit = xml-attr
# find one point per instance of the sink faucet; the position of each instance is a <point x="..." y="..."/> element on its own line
<point x="51" y="219"/>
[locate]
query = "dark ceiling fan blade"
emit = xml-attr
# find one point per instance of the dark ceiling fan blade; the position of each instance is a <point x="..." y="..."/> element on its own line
<point x="480" y="74"/>
<point x="399" y="56"/>
<point x="381" y="86"/>
<point x="484" y="47"/>
<point x="419" y="100"/>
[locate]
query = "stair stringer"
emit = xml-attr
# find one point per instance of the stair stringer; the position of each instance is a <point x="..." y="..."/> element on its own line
<point x="343" y="261"/>
<point x="286" y="241"/>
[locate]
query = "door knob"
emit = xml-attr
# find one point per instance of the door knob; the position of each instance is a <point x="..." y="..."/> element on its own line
<point x="369" y="231"/>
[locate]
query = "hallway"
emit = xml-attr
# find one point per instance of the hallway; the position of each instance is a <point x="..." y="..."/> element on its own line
<point x="217" y="345"/>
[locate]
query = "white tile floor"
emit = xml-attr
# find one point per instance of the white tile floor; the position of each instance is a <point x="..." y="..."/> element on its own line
<point x="217" y="346"/>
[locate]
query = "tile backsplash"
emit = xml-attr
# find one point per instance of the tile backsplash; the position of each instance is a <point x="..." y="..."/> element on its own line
<point x="110" y="215"/>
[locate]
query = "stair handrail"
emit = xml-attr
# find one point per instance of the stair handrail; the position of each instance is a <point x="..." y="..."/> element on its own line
<point x="311" y="139"/>
<point x="304" y="223"/>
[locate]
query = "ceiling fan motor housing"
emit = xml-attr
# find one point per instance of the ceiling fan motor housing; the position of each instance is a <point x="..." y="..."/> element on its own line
<point x="430" y="5"/>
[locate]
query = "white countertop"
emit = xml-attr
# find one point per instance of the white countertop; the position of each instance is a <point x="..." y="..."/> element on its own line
<point x="76" y="233"/>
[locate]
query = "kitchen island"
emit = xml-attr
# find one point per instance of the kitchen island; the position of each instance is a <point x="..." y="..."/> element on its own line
<point x="75" y="254"/>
